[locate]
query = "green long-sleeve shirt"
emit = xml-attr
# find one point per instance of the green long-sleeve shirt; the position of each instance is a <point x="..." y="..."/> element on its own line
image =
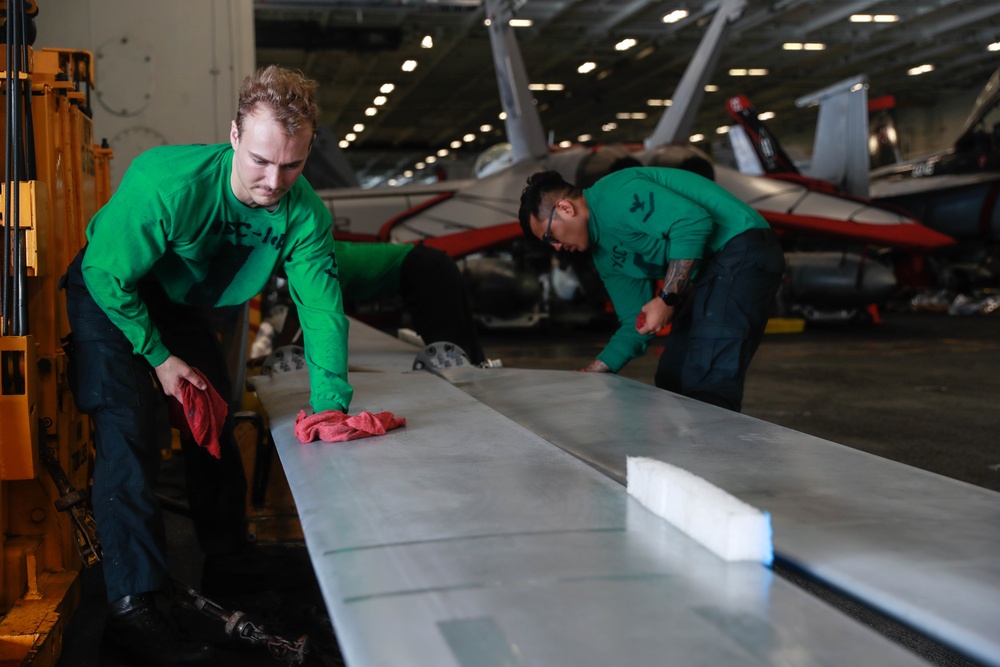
<point x="370" y="270"/>
<point x="640" y="220"/>
<point x="175" y="219"/>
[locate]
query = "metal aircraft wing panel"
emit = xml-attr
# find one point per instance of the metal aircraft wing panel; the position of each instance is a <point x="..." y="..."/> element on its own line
<point x="771" y="194"/>
<point x="372" y="350"/>
<point x="463" y="539"/>
<point x="405" y="215"/>
<point x="488" y="202"/>
<point x="918" y="546"/>
<point x="886" y="188"/>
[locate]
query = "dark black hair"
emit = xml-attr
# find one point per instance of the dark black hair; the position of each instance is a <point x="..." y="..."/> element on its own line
<point x="540" y="185"/>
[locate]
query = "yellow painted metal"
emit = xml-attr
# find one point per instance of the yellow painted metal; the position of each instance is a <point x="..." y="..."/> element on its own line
<point x="785" y="325"/>
<point x="31" y="631"/>
<point x="72" y="181"/>
<point x="19" y="408"/>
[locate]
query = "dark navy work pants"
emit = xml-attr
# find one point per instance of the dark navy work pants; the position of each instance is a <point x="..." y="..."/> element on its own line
<point x="118" y="390"/>
<point x="720" y="323"/>
<point x="435" y="296"/>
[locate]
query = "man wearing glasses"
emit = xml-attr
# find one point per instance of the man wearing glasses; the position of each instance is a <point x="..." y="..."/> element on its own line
<point x="720" y="262"/>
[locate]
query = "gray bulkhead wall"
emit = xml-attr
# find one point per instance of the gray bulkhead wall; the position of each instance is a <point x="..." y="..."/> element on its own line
<point x="166" y="72"/>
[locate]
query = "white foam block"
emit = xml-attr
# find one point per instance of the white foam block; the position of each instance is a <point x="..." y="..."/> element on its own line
<point x="724" y="524"/>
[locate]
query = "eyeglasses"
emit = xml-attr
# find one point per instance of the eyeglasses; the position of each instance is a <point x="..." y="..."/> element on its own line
<point x="547" y="236"/>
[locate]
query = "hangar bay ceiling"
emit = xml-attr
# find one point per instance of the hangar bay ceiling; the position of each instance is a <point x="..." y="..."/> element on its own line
<point x="353" y="48"/>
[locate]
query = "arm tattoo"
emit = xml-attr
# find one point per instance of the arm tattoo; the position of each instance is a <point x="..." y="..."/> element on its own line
<point x="678" y="274"/>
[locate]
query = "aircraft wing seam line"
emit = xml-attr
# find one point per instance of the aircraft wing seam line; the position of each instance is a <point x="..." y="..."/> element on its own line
<point x="478" y="536"/>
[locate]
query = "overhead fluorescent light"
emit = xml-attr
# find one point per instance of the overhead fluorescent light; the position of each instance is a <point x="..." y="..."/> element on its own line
<point x="387" y="88"/>
<point x="371" y="111"/>
<point x="920" y="69"/>
<point x="587" y="67"/>
<point x="607" y="127"/>
<point x="409" y="65"/>
<point x="800" y="46"/>
<point x="583" y="138"/>
<point x="625" y="44"/>
<point x="874" y="18"/>
<point x="359" y="127"/>
<point x="645" y="52"/>
<point x="675" y="16"/>
<point x="520" y="23"/>
<point x="427" y="42"/>
<point x="767" y="115"/>
<point x="380" y="100"/>
<point x="711" y="88"/>
<point x="695" y="138"/>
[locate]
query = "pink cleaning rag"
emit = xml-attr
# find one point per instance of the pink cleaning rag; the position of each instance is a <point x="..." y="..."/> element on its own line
<point x="200" y="415"/>
<point x="337" y="426"/>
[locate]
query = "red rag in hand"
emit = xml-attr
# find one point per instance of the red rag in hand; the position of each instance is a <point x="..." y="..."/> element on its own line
<point x="640" y="320"/>
<point x="337" y="426"/>
<point x="199" y="415"/>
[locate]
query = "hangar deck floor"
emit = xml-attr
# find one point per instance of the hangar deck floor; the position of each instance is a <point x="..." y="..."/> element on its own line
<point x="919" y="388"/>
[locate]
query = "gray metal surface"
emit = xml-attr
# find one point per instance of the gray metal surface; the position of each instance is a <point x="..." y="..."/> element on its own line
<point x="464" y="539"/>
<point x="372" y="350"/>
<point x="919" y="547"/>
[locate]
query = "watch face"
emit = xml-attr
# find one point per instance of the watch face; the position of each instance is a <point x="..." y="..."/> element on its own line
<point x="669" y="298"/>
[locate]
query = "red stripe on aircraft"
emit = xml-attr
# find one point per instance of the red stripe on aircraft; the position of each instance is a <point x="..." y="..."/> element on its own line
<point x="475" y="240"/>
<point x="383" y="233"/>
<point x="905" y="236"/>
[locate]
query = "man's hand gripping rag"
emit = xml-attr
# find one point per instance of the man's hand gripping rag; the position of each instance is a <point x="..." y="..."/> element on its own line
<point x="199" y="414"/>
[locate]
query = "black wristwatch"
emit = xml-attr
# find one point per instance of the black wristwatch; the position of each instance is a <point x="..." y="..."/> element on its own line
<point x="669" y="298"/>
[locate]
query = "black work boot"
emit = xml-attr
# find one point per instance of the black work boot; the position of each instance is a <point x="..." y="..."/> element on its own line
<point x="145" y="633"/>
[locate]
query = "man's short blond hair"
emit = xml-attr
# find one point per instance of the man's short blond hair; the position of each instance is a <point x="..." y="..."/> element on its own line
<point x="289" y="95"/>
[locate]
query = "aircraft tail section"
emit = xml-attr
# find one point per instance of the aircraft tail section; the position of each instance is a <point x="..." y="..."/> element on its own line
<point x="988" y="98"/>
<point x="679" y="117"/>
<point x="840" y="146"/>
<point x="757" y="150"/>
<point x="883" y="140"/>
<point x="522" y="123"/>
